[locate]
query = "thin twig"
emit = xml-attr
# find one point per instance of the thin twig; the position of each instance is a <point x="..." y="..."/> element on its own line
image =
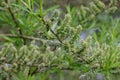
<point x="37" y="70"/>
<point x="20" y="36"/>
<point x="48" y="27"/>
<point x="14" y="19"/>
<point x="49" y="42"/>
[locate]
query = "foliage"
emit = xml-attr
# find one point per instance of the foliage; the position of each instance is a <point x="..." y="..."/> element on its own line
<point x="31" y="59"/>
<point x="57" y="42"/>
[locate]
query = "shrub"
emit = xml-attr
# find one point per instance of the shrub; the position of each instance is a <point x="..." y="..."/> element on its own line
<point x="57" y="42"/>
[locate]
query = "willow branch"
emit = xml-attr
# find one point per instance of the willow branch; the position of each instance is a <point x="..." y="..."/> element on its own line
<point x="49" y="42"/>
<point x="48" y="27"/>
<point x="19" y="36"/>
<point x="37" y="70"/>
<point x="14" y="19"/>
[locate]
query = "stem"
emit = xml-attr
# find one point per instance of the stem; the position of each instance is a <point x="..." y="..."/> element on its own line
<point x="48" y="27"/>
<point x="29" y="38"/>
<point x="14" y="20"/>
<point x="50" y="67"/>
<point x="20" y="36"/>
